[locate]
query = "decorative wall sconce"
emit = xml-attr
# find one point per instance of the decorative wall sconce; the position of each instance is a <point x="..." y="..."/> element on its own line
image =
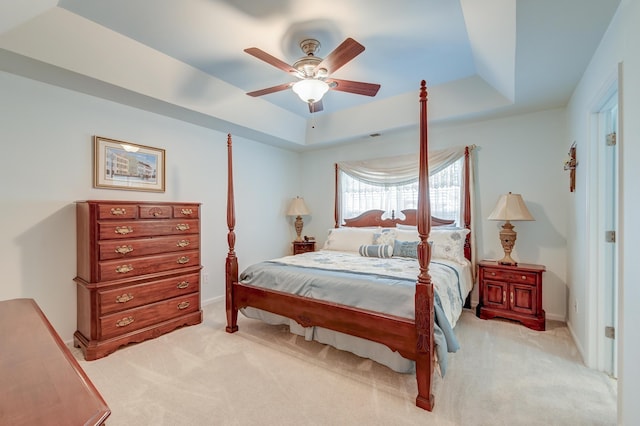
<point x="570" y="164"/>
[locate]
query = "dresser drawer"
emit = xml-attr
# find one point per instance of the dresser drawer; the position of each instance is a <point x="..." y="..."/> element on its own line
<point x="117" y="211"/>
<point x="154" y="212"/>
<point x="142" y="294"/>
<point x="510" y="276"/>
<point x="133" y="319"/>
<point x="125" y="249"/>
<point x="186" y="211"/>
<point x="147" y="228"/>
<point x="125" y="268"/>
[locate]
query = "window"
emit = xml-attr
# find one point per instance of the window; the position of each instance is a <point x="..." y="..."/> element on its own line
<point x="445" y="188"/>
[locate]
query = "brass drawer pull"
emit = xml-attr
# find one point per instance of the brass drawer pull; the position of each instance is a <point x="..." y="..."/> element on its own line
<point x="493" y="274"/>
<point x="155" y="211"/>
<point x="182" y="226"/>
<point x="123" y="269"/>
<point x="504" y="295"/>
<point x="524" y="277"/>
<point x="183" y="284"/>
<point x="512" y="298"/>
<point x="124" y="249"/>
<point x="183" y="305"/>
<point x="117" y="211"/>
<point x="186" y="212"/>
<point x="183" y="243"/>
<point x="124" y="298"/>
<point x="124" y="230"/>
<point x="124" y="322"/>
<point x="182" y="260"/>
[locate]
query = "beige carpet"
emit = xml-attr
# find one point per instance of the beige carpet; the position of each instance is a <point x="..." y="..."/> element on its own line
<point x="504" y="374"/>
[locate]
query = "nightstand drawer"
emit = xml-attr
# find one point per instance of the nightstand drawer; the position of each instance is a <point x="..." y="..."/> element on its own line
<point x="511" y="276"/>
<point x="300" y="247"/>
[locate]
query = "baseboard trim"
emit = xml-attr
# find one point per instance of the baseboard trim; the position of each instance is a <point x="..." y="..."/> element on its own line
<point x="577" y="343"/>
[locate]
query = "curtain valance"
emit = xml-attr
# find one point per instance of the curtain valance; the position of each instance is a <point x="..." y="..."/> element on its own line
<point x="399" y="169"/>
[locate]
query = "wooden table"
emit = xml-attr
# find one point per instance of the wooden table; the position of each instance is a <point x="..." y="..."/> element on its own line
<point x="40" y="380"/>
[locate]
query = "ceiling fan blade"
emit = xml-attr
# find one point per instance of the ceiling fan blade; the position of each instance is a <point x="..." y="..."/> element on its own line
<point x="272" y="60"/>
<point x="357" y="87"/>
<point x="315" y="107"/>
<point x="342" y="54"/>
<point x="268" y="90"/>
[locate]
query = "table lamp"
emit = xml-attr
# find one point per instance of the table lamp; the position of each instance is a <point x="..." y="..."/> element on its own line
<point x="509" y="207"/>
<point x="298" y="208"/>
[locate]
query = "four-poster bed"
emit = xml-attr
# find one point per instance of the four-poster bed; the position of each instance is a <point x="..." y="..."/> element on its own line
<point x="412" y="337"/>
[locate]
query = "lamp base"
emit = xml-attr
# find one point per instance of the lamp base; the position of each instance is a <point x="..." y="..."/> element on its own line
<point x="508" y="240"/>
<point x="507" y="260"/>
<point x="298" y="225"/>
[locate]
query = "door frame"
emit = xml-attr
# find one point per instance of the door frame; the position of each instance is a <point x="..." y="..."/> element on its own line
<point x="596" y="356"/>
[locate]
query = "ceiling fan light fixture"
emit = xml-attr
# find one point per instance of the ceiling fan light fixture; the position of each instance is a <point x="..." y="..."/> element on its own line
<point x="310" y="90"/>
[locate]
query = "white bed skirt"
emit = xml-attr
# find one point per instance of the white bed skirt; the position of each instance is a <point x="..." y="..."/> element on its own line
<point x="359" y="346"/>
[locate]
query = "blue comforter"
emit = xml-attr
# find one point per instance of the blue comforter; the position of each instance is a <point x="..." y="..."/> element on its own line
<point x="373" y="291"/>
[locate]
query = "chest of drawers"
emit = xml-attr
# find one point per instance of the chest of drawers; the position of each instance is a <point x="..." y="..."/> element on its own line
<point x="138" y="272"/>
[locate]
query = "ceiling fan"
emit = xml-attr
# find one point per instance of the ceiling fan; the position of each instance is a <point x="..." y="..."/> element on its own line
<point x="314" y="72"/>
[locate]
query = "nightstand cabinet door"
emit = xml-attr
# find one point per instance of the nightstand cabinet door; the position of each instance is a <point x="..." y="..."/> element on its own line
<point x="523" y="299"/>
<point x="511" y="292"/>
<point x="495" y="294"/>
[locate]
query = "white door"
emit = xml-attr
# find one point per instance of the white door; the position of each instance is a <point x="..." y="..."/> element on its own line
<point x="608" y="258"/>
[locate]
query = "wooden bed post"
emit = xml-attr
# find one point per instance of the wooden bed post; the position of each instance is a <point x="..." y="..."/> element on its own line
<point x="467" y="203"/>
<point x="231" y="266"/>
<point x="424" y="299"/>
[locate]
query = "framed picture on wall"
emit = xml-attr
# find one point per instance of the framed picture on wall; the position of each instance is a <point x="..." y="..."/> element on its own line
<point x="126" y="165"/>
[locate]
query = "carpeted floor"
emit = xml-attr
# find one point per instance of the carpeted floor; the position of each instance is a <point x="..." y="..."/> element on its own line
<point x="504" y="374"/>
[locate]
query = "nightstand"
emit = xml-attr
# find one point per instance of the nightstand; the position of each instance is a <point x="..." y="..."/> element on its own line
<point x="511" y="292"/>
<point x="303" y="246"/>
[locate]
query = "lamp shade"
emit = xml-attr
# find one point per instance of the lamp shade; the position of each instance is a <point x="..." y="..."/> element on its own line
<point x="510" y="207"/>
<point x="310" y="90"/>
<point x="298" y="207"/>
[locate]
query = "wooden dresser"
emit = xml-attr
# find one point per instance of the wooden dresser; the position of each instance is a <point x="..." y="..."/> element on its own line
<point x="41" y="381"/>
<point x="138" y="273"/>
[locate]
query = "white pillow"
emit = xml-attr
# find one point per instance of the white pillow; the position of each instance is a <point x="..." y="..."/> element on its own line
<point x="349" y="238"/>
<point x="406" y="227"/>
<point x="385" y="236"/>
<point x="407" y="235"/>
<point x="448" y="243"/>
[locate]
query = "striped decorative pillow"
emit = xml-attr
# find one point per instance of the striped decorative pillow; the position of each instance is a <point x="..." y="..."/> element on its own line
<point x="376" y="250"/>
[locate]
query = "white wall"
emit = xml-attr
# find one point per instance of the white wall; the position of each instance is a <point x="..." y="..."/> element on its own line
<point x="617" y="46"/>
<point x="46" y="137"/>
<point x="522" y="154"/>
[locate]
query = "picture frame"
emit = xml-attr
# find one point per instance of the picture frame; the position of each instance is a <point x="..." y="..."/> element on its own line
<point x="127" y="166"/>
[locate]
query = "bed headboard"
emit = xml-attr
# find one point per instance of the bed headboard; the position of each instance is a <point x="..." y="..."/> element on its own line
<point x="374" y="218"/>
